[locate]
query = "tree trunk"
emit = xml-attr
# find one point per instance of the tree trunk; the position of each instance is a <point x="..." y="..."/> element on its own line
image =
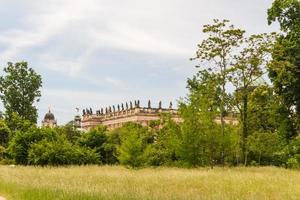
<point x="222" y="110"/>
<point x="244" y="123"/>
<point x="246" y="158"/>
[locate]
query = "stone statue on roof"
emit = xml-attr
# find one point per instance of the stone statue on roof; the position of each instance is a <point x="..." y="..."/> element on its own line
<point x="159" y="105"/>
<point x="171" y="105"/>
<point x="149" y="104"/>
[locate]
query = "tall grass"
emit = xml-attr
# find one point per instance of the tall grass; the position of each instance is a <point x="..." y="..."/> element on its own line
<point x="93" y="182"/>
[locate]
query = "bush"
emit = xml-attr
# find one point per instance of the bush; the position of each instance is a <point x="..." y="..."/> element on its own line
<point x="2" y="152"/>
<point x="97" y="139"/>
<point x="264" y="147"/>
<point x="292" y="154"/>
<point x="293" y="163"/>
<point x="22" y="141"/>
<point x="4" y="134"/>
<point x="69" y="132"/>
<point x="155" y="156"/>
<point x="60" y="152"/>
<point x="131" y="150"/>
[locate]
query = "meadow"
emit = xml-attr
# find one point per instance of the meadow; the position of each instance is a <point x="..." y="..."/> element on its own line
<point x="116" y="182"/>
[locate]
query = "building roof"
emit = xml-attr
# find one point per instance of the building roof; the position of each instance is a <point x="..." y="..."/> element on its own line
<point x="49" y="116"/>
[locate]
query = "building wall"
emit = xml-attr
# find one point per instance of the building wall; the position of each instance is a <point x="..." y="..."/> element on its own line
<point x="114" y="120"/>
<point x="49" y="123"/>
<point x="142" y="116"/>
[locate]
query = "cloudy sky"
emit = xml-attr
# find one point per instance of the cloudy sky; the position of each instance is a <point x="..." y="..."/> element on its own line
<point x="96" y="53"/>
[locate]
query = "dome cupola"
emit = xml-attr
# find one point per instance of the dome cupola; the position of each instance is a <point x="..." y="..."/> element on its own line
<point x="49" y="116"/>
<point x="49" y="120"/>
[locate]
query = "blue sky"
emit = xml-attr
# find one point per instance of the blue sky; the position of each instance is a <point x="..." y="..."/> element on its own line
<point x="96" y="53"/>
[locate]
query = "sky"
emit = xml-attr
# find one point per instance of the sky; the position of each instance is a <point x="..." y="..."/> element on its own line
<point x="97" y="53"/>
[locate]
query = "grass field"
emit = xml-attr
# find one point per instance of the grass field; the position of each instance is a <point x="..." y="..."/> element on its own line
<point x="93" y="182"/>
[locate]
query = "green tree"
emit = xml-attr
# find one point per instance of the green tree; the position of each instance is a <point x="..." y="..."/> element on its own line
<point x="292" y="153"/>
<point x="284" y="70"/>
<point x="267" y="113"/>
<point x="263" y="146"/>
<point x="21" y="143"/>
<point x="133" y="144"/>
<point x="164" y="150"/>
<point x="2" y="152"/>
<point x="60" y="152"/>
<point x="250" y="65"/>
<point x="4" y="134"/>
<point x="202" y="139"/>
<point x="69" y="132"/>
<point x="98" y="139"/>
<point x="17" y="123"/>
<point x="20" y="89"/>
<point x="217" y="53"/>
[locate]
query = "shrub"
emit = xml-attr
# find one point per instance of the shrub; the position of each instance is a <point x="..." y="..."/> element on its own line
<point x="69" y="132"/>
<point x="264" y="147"/>
<point x="131" y="150"/>
<point x="60" y="152"/>
<point x="155" y="156"/>
<point x="4" y="134"/>
<point x="2" y="152"/>
<point x="21" y="143"/>
<point x="293" y="163"/>
<point x="97" y="139"/>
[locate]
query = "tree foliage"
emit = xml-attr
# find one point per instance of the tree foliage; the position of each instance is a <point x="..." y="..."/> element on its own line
<point x="133" y="144"/>
<point x="216" y="53"/>
<point x="264" y="146"/>
<point x="4" y="134"/>
<point x="21" y="143"/>
<point x="102" y="142"/>
<point x="20" y="89"/>
<point x="284" y="70"/>
<point x="203" y="142"/>
<point x="60" y="152"/>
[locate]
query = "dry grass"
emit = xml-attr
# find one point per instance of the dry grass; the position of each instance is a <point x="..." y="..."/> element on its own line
<point x="93" y="182"/>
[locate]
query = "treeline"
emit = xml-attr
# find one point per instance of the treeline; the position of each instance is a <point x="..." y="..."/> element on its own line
<point x="232" y="80"/>
<point x="163" y="143"/>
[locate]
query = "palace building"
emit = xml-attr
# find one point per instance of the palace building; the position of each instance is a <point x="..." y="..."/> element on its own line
<point x="115" y="116"/>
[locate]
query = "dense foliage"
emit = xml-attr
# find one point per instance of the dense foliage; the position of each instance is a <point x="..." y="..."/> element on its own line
<point x="20" y="89"/>
<point x="284" y="71"/>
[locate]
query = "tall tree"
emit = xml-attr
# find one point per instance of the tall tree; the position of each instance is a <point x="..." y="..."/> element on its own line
<point x="133" y="143"/>
<point x="284" y="70"/>
<point x="250" y="66"/>
<point x="201" y="142"/>
<point x="217" y="53"/>
<point x="20" y="89"/>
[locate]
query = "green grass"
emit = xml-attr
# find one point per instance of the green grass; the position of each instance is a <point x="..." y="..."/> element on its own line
<point x="93" y="182"/>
